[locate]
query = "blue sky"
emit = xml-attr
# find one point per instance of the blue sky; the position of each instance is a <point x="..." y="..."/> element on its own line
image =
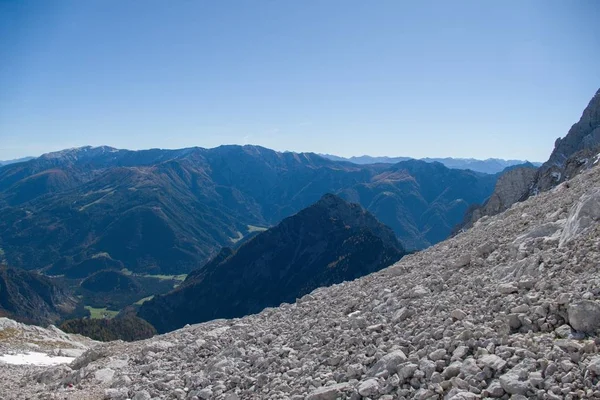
<point x="428" y="78"/>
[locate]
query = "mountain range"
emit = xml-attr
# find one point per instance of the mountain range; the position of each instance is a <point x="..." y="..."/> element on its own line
<point x="506" y="310"/>
<point x="329" y="242"/>
<point x="16" y="160"/>
<point x="487" y="166"/>
<point x="80" y="211"/>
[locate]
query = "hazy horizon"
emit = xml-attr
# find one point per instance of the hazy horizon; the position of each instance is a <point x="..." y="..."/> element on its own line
<point x="466" y="79"/>
<point x="281" y="151"/>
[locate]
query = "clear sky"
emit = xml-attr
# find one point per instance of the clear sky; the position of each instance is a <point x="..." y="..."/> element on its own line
<point x="398" y="78"/>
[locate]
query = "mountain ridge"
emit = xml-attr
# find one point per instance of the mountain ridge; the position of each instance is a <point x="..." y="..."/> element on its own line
<point x="16" y="160"/>
<point x="488" y="166"/>
<point x="576" y="151"/>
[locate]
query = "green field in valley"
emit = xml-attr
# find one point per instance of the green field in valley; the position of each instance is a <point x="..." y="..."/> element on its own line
<point x="99" y="313"/>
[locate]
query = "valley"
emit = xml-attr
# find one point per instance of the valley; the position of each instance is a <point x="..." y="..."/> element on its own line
<point x="117" y="226"/>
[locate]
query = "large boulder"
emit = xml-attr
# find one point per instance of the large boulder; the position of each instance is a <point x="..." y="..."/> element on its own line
<point x="584" y="316"/>
<point x="332" y="392"/>
<point x="389" y="363"/>
<point x="512" y="383"/>
<point x="583" y="215"/>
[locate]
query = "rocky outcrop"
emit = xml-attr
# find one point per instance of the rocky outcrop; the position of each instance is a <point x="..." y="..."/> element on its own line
<point x="39" y="354"/>
<point x="503" y="310"/>
<point x="579" y="150"/>
<point x="512" y="186"/>
<point x="576" y="151"/>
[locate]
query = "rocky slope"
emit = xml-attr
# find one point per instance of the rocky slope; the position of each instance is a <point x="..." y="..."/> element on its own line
<point x="31" y="297"/>
<point x="507" y="309"/>
<point x="329" y="242"/>
<point x="25" y="349"/>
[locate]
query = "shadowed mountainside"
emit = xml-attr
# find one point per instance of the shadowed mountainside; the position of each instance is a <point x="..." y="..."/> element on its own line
<point x="30" y="297"/>
<point x="329" y="242"/>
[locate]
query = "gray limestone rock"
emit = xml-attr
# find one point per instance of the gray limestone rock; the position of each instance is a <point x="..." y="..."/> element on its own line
<point x="583" y="215"/>
<point x="388" y="363"/>
<point x="368" y="388"/>
<point x="142" y="395"/>
<point x="332" y="392"/>
<point x="584" y="316"/>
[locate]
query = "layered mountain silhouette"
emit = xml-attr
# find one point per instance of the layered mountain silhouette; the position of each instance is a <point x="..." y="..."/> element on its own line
<point x="421" y="201"/>
<point x="31" y="297"/>
<point x="487" y="166"/>
<point x="327" y="243"/>
<point x="80" y="211"/>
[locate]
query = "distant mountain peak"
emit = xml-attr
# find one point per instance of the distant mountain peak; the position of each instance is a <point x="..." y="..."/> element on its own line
<point x="487" y="166"/>
<point x="326" y="243"/>
<point x="77" y="152"/>
<point x="331" y="200"/>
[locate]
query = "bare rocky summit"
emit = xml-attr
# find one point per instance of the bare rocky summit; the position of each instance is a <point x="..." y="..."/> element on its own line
<point x="578" y="151"/>
<point x="574" y="152"/>
<point x="507" y="309"/>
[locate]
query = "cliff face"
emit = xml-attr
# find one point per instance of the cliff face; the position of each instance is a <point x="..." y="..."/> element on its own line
<point x="574" y="152"/>
<point x="512" y="186"/>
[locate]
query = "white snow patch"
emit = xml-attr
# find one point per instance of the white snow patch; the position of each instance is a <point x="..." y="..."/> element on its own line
<point x="34" y="358"/>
